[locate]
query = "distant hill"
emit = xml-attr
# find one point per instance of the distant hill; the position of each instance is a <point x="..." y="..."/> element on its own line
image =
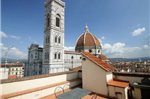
<point x="131" y="59"/>
<point x="10" y="60"/>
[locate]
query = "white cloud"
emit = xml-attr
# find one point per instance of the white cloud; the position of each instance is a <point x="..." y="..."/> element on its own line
<point x="116" y="48"/>
<point x="120" y="50"/>
<point x="103" y="37"/>
<point x="14" y="37"/>
<point x="146" y="46"/>
<point x="3" y="35"/>
<point x="41" y="45"/>
<point x="138" y="31"/>
<point x="69" y="48"/>
<point x="12" y="52"/>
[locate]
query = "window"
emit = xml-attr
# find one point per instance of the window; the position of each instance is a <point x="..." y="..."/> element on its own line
<point x="55" y="56"/>
<point x="48" y="20"/>
<point x="72" y="57"/>
<point x="59" y="56"/>
<point x="31" y="56"/>
<point x="59" y="40"/>
<point x="46" y="55"/>
<point x="55" y="39"/>
<point x="47" y="39"/>
<point x="90" y="50"/>
<point x="58" y="20"/>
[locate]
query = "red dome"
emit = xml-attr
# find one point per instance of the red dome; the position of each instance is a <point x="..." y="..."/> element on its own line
<point x="87" y="41"/>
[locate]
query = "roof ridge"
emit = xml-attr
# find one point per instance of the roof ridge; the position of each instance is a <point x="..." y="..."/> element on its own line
<point x="79" y="38"/>
<point x="93" y="38"/>
<point x="100" y="63"/>
<point x="84" y="38"/>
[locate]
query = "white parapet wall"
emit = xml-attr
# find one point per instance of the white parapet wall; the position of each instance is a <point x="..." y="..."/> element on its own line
<point x="36" y="87"/>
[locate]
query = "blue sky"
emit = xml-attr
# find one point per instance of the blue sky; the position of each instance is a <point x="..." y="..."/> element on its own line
<point x="122" y="25"/>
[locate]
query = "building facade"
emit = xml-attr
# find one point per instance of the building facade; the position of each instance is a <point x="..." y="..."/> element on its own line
<point x="3" y="73"/>
<point x="53" y="51"/>
<point x="34" y="66"/>
<point x="72" y="59"/>
<point x="14" y="70"/>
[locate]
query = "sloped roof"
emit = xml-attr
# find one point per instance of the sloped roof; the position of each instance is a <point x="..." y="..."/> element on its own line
<point x="120" y="84"/>
<point x="102" y="57"/>
<point x="100" y="63"/>
<point x="12" y="65"/>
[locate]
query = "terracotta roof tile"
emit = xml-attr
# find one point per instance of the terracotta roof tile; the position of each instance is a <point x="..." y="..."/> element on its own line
<point x="100" y="63"/>
<point x="12" y="77"/>
<point x="12" y="65"/>
<point x="118" y="83"/>
<point x="102" y="57"/>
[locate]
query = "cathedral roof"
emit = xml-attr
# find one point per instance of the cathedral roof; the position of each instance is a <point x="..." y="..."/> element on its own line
<point x="87" y="39"/>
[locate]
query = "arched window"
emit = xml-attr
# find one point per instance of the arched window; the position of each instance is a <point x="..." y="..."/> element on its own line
<point x="48" y="20"/>
<point x="55" y="56"/>
<point x="59" y="56"/>
<point x="55" y="39"/>
<point x="59" y="39"/>
<point x="58" y="20"/>
<point x="90" y="50"/>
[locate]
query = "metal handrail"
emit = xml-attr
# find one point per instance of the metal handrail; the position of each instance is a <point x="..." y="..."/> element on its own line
<point x="65" y="86"/>
<point x="55" y="91"/>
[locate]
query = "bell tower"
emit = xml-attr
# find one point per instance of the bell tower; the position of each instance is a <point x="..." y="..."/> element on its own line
<point x="53" y="52"/>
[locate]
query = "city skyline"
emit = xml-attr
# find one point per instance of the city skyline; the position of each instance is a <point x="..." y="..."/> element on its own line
<point x="122" y="27"/>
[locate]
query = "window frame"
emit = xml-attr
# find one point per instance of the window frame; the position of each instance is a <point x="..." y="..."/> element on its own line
<point x="57" y="19"/>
